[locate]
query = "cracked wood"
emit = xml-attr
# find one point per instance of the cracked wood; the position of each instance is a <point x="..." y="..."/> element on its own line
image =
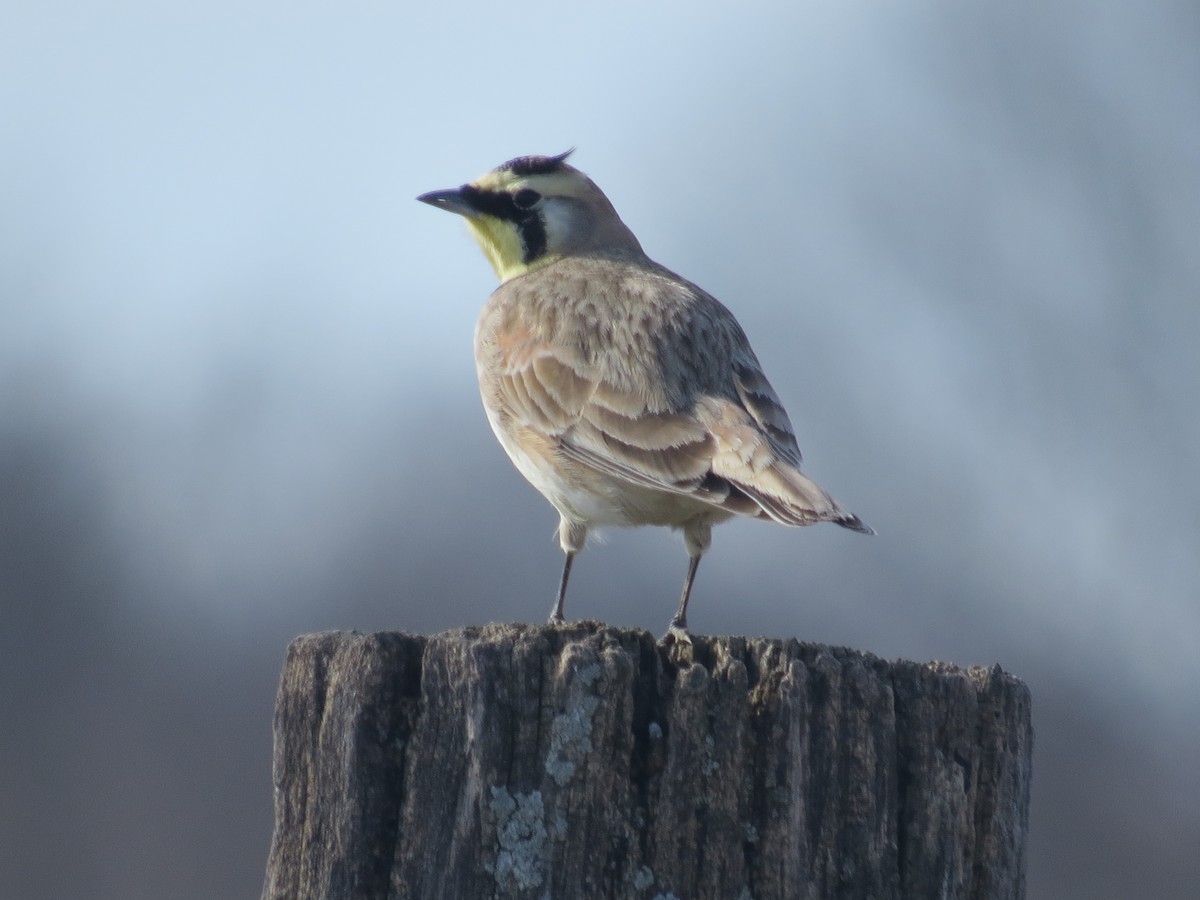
<point x="585" y="762"/>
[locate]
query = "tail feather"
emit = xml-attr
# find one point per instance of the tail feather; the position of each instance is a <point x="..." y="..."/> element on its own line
<point x="854" y="523"/>
<point x="790" y="497"/>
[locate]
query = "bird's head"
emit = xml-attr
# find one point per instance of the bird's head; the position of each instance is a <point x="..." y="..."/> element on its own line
<point x="533" y="210"/>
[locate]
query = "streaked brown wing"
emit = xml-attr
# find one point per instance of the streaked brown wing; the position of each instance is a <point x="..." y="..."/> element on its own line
<point x="764" y="406"/>
<point x="737" y="452"/>
<point x="597" y="423"/>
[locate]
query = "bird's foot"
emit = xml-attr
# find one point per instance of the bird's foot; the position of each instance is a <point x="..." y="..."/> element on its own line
<point x="678" y="644"/>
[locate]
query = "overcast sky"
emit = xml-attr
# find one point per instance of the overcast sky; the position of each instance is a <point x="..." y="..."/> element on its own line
<point x="237" y="398"/>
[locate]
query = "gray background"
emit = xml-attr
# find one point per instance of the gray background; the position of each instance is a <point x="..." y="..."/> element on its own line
<point x="237" y="399"/>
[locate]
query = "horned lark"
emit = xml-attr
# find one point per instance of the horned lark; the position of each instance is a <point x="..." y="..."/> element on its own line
<point x="622" y="392"/>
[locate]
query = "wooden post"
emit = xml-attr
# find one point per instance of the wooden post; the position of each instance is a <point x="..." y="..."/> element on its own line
<point x="584" y="762"/>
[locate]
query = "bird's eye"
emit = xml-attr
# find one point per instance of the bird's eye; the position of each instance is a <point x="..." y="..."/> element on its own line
<point x="526" y="198"/>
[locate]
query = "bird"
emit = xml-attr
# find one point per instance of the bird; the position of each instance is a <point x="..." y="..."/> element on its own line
<point x="624" y="393"/>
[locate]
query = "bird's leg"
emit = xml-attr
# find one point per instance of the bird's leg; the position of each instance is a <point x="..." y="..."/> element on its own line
<point x="556" y="614"/>
<point x="697" y="537"/>
<point x="571" y="537"/>
<point x="678" y="627"/>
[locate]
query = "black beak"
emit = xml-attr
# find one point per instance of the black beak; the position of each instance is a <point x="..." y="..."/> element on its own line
<point x="451" y="201"/>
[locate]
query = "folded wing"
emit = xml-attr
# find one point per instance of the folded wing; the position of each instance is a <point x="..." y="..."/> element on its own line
<point x="737" y="452"/>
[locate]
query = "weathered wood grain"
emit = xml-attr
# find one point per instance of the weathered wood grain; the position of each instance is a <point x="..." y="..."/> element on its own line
<point x="584" y="762"/>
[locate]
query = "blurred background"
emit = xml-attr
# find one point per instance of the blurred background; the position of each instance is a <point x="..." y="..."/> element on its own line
<point x="238" y="403"/>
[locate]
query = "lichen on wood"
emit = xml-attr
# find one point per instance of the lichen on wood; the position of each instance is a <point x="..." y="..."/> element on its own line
<point x="588" y="762"/>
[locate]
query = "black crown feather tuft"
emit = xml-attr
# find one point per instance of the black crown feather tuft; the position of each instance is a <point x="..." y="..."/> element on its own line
<point x="536" y="165"/>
